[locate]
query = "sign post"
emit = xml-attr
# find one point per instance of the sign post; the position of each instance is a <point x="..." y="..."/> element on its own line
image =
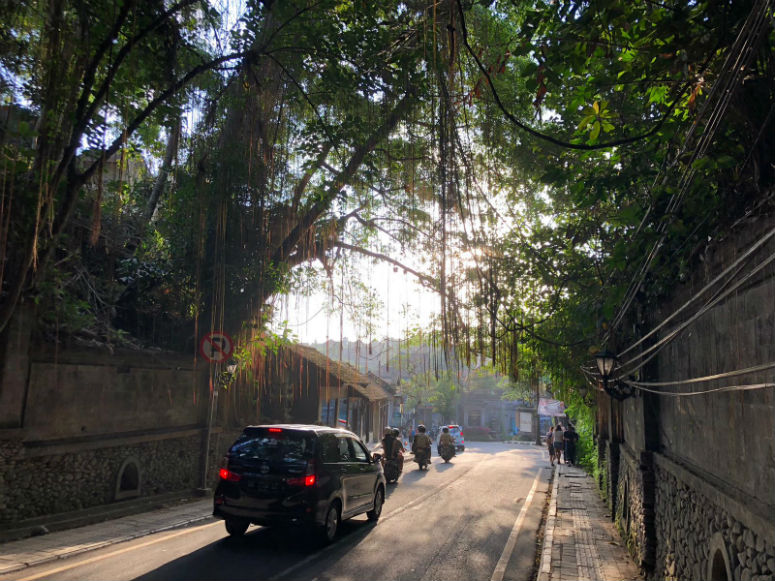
<point x="216" y="347"/>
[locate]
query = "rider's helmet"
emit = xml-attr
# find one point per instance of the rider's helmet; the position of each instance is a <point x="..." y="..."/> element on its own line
<point x="445" y="429"/>
<point x="388" y="431"/>
<point x="396" y="432"/>
<point x="421" y="428"/>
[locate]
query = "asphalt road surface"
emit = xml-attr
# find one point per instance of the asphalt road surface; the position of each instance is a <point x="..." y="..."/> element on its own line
<point x="475" y="518"/>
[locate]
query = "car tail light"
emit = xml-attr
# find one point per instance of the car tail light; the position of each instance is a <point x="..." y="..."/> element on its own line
<point x="276" y="430"/>
<point x="308" y="479"/>
<point x="227" y="474"/>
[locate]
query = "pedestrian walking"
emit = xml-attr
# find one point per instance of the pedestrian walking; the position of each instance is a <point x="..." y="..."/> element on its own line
<point x="570" y="438"/>
<point x="559" y="442"/>
<point x="550" y="444"/>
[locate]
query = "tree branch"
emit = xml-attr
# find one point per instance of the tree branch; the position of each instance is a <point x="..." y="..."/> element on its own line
<point x="342" y="179"/>
<point x="549" y="138"/>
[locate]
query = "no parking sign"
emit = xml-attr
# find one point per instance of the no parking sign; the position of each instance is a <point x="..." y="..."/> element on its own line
<point x="216" y="347"/>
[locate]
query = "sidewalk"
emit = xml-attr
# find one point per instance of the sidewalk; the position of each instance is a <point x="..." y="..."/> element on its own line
<point x="17" y="555"/>
<point x="580" y="540"/>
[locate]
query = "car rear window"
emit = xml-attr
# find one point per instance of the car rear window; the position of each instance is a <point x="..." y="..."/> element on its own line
<point x="274" y="446"/>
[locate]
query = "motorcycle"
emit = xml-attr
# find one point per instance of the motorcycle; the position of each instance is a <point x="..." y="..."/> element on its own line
<point x="423" y="458"/>
<point x="447" y="452"/>
<point x="393" y="467"/>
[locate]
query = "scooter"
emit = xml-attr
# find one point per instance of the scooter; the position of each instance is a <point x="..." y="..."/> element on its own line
<point x="447" y="452"/>
<point x="423" y="458"/>
<point x="393" y="467"/>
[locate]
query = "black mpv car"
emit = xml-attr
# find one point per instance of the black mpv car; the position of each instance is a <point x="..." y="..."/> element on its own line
<point x="298" y="474"/>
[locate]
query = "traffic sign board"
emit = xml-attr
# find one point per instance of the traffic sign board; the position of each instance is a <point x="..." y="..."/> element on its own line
<point x="216" y="347"/>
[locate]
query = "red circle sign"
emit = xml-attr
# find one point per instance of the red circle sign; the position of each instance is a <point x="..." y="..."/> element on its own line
<point x="216" y="347"/>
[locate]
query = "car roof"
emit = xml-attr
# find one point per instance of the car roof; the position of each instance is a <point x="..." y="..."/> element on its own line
<point x="303" y="428"/>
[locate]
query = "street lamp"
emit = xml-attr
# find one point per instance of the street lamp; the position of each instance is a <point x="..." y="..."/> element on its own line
<point x="605" y="364"/>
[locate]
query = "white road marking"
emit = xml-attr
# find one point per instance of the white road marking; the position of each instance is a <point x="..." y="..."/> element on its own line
<point x="500" y="568"/>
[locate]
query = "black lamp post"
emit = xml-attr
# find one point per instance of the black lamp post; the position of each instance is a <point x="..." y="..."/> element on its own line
<point x="606" y="361"/>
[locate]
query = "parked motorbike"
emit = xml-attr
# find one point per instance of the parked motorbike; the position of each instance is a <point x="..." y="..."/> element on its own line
<point x="423" y="457"/>
<point x="447" y="451"/>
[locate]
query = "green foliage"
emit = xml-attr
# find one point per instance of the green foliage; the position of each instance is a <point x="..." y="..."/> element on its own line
<point x="309" y="130"/>
<point x="583" y="419"/>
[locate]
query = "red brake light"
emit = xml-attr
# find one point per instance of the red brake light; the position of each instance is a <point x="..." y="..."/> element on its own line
<point x="275" y="430"/>
<point x="308" y="480"/>
<point x="227" y="474"/>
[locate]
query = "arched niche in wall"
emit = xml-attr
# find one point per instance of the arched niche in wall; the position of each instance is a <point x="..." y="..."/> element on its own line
<point x="719" y="568"/>
<point x="128" y="479"/>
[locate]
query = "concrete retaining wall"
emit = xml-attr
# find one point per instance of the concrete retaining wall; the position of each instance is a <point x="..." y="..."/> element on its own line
<point x="691" y="483"/>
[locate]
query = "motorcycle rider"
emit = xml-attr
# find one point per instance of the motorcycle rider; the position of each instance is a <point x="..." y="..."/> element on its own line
<point x="388" y="439"/>
<point x="446" y="439"/>
<point x="422" y="443"/>
<point x="398" y="449"/>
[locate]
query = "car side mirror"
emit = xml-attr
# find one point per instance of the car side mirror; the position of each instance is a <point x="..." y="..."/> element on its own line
<point x="376" y="456"/>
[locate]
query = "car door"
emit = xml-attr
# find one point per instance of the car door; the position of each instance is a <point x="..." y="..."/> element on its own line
<point x="364" y="475"/>
<point x="348" y="472"/>
<point x="331" y="476"/>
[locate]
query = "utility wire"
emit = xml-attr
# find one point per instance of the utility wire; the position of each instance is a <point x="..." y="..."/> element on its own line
<point x="736" y="61"/>
<point x="736" y="373"/>
<point x="748" y="387"/>
<point x="754" y="247"/>
<point x="675" y="332"/>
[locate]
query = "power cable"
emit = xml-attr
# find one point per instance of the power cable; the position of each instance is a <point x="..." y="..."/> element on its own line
<point x="747" y="387"/>
<point x="736" y="61"/>
<point x="675" y="332"/>
<point x="754" y="247"/>
<point x="736" y="373"/>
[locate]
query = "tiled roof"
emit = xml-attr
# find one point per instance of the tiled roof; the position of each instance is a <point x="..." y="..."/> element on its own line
<point x="369" y="387"/>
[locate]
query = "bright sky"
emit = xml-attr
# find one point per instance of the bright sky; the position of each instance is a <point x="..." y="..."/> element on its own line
<point x="404" y="304"/>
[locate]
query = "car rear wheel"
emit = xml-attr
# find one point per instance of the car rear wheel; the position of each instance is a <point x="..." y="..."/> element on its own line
<point x="236" y="527"/>
<point x="332" y="523"/>
<point x="379" y="500"/>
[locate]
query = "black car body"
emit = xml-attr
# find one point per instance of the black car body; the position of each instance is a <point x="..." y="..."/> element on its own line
<point x="298" y="474"/>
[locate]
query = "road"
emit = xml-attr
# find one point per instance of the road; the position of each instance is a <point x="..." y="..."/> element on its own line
<point x="474" y="518"/>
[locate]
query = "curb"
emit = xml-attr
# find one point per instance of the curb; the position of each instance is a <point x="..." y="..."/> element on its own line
<point x="100" y="545"/>
<point x="544" y="569"/>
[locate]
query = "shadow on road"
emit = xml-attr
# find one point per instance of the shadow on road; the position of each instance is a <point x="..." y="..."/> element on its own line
<point x="413" y="475"/>
<point x="444" y="466"/>
<point x="262" y="553"/>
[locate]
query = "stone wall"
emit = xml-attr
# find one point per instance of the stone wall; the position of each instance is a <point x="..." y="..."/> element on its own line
<point x="611" y="470"/>
<point x="634" y="515"/>
<point x="91" y="427"/>
<point x="45" y="480"/>
<point x="729" y="435"/>
<point x="691" y="488"/>
<point x="697" y="523"/>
